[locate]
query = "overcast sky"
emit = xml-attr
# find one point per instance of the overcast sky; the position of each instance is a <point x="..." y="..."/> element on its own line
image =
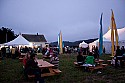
<point x="77" y="19"/>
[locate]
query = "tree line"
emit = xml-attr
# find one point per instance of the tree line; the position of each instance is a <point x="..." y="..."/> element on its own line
<point x="6" y="35"/>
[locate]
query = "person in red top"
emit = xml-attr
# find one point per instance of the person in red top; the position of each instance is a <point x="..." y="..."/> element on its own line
<point x="26" y="58"/>
<point x="32" y="68"/>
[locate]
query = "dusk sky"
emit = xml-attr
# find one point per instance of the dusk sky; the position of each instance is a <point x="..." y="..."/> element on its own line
<point x="77" y="19"/>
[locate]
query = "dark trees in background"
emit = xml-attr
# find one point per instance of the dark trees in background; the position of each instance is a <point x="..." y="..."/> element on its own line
<point x="6" y="35"/>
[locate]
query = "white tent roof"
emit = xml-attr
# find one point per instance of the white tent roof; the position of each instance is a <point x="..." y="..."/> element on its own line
<point x="83" y="44"/>
<point x="121" y="33"/>
<point x="20" y="40"/>
<point x="104" y="39"/>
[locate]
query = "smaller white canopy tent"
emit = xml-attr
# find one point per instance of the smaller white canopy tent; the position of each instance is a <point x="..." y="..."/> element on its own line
<point x="83" y="44"/>
<point x="20" y="40"/>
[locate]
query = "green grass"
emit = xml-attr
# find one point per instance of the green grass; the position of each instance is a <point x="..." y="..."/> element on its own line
<point x="11" y="71"/>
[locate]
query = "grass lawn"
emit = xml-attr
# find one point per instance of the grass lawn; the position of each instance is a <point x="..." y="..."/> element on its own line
<point x="11" y="71"/>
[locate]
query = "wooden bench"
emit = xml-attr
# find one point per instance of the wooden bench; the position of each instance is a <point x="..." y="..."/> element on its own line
<point x="42" y="75"/>
<point x="31" y="76"/>
<point x="21" y="59"/>
<point x="76" y="64"/>
<point x="57" y="71"/>
<point x="109" y="62"/>
<point x="91" y="68"/>
<point x="104" y="65"/>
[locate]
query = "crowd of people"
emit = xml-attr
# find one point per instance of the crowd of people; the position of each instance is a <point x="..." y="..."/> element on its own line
<point x="117" y="60"/>
<point x="31" y="65"/>
<point x="7" y="52"/>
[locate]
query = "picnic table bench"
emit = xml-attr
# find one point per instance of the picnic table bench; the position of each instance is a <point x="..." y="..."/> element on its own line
<point x="76" y="64"/>
<point x="55" y="72"/>
<point x="46" y="65"/>
<point x="109" y="62"/>
<point x="21" y="59"/>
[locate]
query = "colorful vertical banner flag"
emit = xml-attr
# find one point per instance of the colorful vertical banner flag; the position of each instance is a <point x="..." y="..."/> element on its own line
<point x="113" y="28"/>
<point x="101" y="37"/>
<point x="60" y="43"/>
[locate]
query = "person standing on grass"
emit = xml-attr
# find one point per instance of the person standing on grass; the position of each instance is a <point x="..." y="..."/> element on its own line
<point x="118" y="53"/>
<point x="32" y="68"/>
<point x="122" y="50"/>
<point x="3" y="52"/>
<point x="96" y="53"/>
<point x="13" y="50"/>
<point x="8" y="52"/>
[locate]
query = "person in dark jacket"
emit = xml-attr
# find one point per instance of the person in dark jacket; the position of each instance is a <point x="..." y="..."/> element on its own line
<point x="80" y="58"/>
<point x="3" y="52"/>
<point x="118" y="53"/>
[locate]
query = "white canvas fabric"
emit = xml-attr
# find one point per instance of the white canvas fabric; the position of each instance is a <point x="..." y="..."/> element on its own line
<point x="20" y="40"/>
<point x="107" y="40"/>
<point x="121" y="33"/>
<point x="83" y="44"/>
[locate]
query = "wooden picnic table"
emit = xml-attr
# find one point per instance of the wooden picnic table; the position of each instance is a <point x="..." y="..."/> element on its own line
<point x="46" y="57"/>
<point x="46" y="65"/>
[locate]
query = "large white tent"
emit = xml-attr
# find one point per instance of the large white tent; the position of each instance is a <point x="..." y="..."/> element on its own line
<point x="20" y="40"/>
<point x="121" y="34"/>
<point x="107" y="40"/>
